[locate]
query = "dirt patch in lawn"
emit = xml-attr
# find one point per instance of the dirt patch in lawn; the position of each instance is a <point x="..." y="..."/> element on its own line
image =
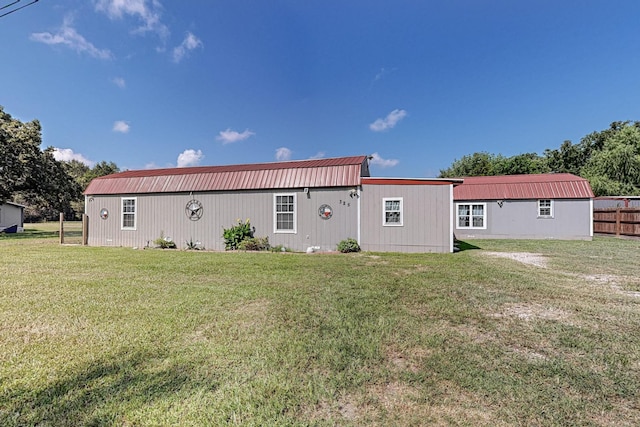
<point x="529" y="312"/>
<point x="537" y="260"/>
<point x="614" y="282"/>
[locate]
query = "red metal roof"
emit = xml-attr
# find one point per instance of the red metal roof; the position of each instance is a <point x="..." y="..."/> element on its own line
<point x="534" y="186"/>
<point x="335" y="172"/>
<point x="411" y="181"/>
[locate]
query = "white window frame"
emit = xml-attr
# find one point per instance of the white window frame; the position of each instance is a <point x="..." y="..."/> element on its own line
<point x="550" y="207"/>
<point x="275" y="213"/>
<point x="471" y="216"/>
<point x="384" y="212"/>
<point x="135" y="213"/>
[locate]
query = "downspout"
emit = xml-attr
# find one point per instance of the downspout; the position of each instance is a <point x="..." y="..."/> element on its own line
<point x="451" y="217"/>
<point x="358" y="204"/>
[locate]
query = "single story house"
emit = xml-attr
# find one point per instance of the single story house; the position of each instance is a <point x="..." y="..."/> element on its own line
<point x="536" y="206"/>
<point x="298" y="204"/>
<point x="11" y="215"/>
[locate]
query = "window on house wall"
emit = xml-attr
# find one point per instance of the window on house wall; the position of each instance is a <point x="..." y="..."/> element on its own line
<point x="545" y="208"/>
<point x="472" y="215"/>
<point x="129" y="213"/>
<point x="392" y="214"/>
<point x="284" y="213"/>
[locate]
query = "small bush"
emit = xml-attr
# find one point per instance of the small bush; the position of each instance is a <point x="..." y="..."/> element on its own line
<point x="254" y="244"/>
<point x="236" y="234"/>
<point x="348" y="245"/>
<point x="190" y="245"/>
<point x="164" y="242"/>
<point x="279" y="248"/>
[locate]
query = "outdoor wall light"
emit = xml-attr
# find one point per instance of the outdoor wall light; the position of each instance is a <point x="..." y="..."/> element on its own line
<point x="500" y="203"/>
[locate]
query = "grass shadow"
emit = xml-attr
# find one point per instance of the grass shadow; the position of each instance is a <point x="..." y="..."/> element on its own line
<point x="465" y="246"/>
<point x="95" y="393"/>
<point x="30" y="234"/>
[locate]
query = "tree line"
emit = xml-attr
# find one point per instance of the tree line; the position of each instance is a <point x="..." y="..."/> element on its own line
<point x="34" y="178"/>
<point x="608" y="159"/>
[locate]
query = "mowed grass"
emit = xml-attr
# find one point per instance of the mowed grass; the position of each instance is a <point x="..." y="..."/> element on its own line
<point x="116" y="336"/>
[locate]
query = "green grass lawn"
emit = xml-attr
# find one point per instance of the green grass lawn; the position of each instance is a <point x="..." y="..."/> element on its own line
<point x="116" y="336"/>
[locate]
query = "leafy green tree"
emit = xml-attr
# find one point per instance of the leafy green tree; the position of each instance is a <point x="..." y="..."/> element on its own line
<point x="30" y="175"/>
<point x="476" y="164"/>
<point x="615" y="168"/>
<point x="485" y="164"/>
<point x="569" y="158"/>
<point x="526" y="163"/>
<point x="20" y="155"/>
<point x="83" y="174"/>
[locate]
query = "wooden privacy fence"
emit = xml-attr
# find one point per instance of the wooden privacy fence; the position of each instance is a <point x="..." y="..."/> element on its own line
<point x="617" y="221"/>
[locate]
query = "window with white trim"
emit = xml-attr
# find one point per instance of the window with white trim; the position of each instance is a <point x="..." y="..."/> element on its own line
<point x="392" y="212"/>
<point x="472" y="215"/>
<point x="129" y="213"/>
<point x="545" y="208"/>
<point x="284" y="213"/>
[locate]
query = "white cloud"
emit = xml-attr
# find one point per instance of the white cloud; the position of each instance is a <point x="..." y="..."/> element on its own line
<point x="121" y="126"/>
<point x="190" y="158"/>
<point x="230" y="136"/>
<point x="283" y="153"/>
<point x="388" y="122"/>
<point x="119" y="81"/>
<point x="189" y="43"/>
<point x="383" y="163"/>
<point x="383" y="73"/>
<point x="67" y="154"/>
<point x="68" y="36"/>
<point x="147" y="11"/>
<point x="318" y="155"/>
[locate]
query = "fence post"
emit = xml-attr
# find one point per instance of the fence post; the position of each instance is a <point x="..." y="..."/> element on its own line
<point x="618" y="221"/>
<point x="85" y="229"/>
<point x="61" y="232"/>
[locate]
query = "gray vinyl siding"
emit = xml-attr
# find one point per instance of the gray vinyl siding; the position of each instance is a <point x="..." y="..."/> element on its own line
<point x="165" y="213"/>
<point x="518" y="219"/>
<point x="426" y="219"/>
<point x="11" y="215"/>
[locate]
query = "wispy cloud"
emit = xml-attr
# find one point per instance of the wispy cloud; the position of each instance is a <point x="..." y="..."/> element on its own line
<point x="189" y="43"/>
<point x="121" y="126"/>
<point x="67" y="154"/>
<point x="146" y="11"/>
<point x="283" y="153"/>
<point x="388" y="122"/>
<point x="376" y="160"/>
<point x="383" y="73"/>
<point x="190" y="158"/>
<point x="69" y="37"/>
<point x="230" y="136"/>
<point x="318" y="155"/>
<point x="119" y="81"/>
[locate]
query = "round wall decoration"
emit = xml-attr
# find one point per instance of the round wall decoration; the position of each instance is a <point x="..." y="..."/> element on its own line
<point x="193" y="210"/>
<point x="325" y="212"/>
<point x="104" y="213"/>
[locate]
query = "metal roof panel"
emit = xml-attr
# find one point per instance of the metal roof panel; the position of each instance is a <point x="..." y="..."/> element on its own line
<point x="534" y="186"/>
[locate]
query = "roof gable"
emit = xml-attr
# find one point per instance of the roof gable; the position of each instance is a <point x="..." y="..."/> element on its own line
<point x="533" y="186"/>
<point x="334" y="172"/>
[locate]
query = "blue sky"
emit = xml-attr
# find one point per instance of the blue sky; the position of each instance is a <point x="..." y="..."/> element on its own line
<point x="416" y="84"/>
